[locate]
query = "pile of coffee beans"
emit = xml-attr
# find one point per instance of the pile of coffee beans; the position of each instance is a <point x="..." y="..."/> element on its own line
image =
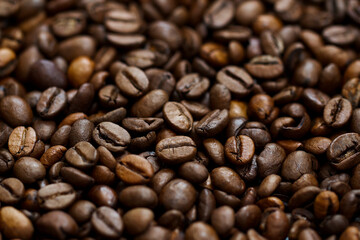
<point x="180" y="119"/>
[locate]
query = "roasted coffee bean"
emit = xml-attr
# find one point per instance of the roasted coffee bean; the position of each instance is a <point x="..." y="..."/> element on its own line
<point x="236" y="79"/>
<point x="83" y="155"/>
<point x="223" y="219"/>
<point x="339" y="35"/>
<point x="14" y="224"/>
<point x="111" y="136"/>
<point x="166" y="31"/>
<point x="131" y="220"/>
<point x="29" y="170"/>
<point x="11" y="190"/>
<point x="81" y="130"/>
<point x="212" y="123"/>
<point x="103" y="195"/>
<point x="200" y="230"/>
<point x="337" y="112"/>
<point x="45" y="74"/>
<point x="343" y="151"/>
<point x="176" y="149"/>
<point x="219" y="14"/>
<point x="178" y="117"/>
<point x="68" y="23"/>
<point x="15" y="111"/>
<point x="110" y="97"/>
<point x="265" y="66"/>
<point x="192" y="86"/>
<point x="53" y="155"/>
<point x="298" y="163"/>
<point x="138" y="196"/>
<point x="197" y="110"/>
<point x="239" y="150"/>
<point x="178" y="194"/>
<point x="262" y="108"/>
<point x="160" y="79"/>
<point x="214" y="54"/>
<point x="325" y="203"/>
<point x="194" y="172"/>
<point x="271" y="218"/>
<point x="22" y="141"/>
<point x="122" y="21"/>
<point x="150" y="103"/>
<point x="227" y="180"/>
<point x="8" y="61"/>
<point x="6" y="161"/>
<point x="107" y="222"/>
<point x="133" y="169"/>
<point x="215" y="150"/>
<point x="248" y="217"/>
<point x="57" y="224"/>
<point x="132" y="81"/>
<point x="351" y="91"/>
<point x="56" y="196"/>
<point x="77" y="46"/>
<point x="51" y="103"/>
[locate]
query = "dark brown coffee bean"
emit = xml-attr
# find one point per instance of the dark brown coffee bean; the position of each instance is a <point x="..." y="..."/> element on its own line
<point x="61" y="136"/>
<point x="111" y="136"/>
<point x="45" y="74"/>
<point x="22" y="141"/>
<point x="15" y="111"/>
<point x="236" y="79"/>
<point x="133" y="169"/>
<point x="262" y="108"/>
<point x="298" y="163"/>
<point x="315" y="99"/>
<point x="265" y="66"/>
<point x="178" y="149"/>
<point x="77" y="46"/>
<point x="138" y="220"/>
<point x="343" y="151"/>
<point x="126" y="41"/>
<point x="178" y="117"/>
<point x="160" y="79"/>
<point x="219" y="14"/>
<point x="223" y="219"/>
<point x="51" y="103"/>
<point x="339" y="35"/>
<point x="167" y="32"/>
<point x="272" y="218"/>
<point x="351" y="91"/>
<point x="272" y="43"/>
<point x="132" y="81"/>
<point x="82" y="210"/>
<point x="14" y="224"/>
<point x="75" y="177"/>
<point x="6" y="161"/>
<point x="57" y="224"/>
<point x="194" y="172"/>
<point x="239" y="150"/>
<point x="307" y="73"/>
<point x="107" y="222"/>
<point x="68" y="24"/>
<point x="150" y="103"/>
<point x="337" y="112"/>
<point x="8" y="63"/>
<point x="81" y="130"/>
<point x="103" y="195"/>
<point x="178" y="194"/>
<point x="248" y="217"/>
<point x="110" y="97"/>
<point x="83" y="155"/>
<point x="212" y="123"/>
<point x="201" y="230"/>
<point x="53" y="155"/>
<point x="122" y="21"/>
<point x="227" y="180"/>
<point x="192" y="86"/>
<point x="11" y="190"/>
<point x="56" y="196"/>
<point x="138" y="196"/>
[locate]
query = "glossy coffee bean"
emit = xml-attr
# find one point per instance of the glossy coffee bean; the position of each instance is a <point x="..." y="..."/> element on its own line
<point x="227" y="180"/>
<point x="111" y="136"/>
<point x="239" y="150"/>
<point x="132" y="81"/>
<point x="51" y="103"/>
<point x="29" y="170"/>
<point x="15" y="111"/>
<point x="178" y="117"/>
<point x="133" y="169"/>
<point x="14" y="224"/>
<point x="212" y="123"/>
<point x="83" y="155"/>
<point x="107" y="222"/>
<point x="337" y="112"/>
<point x="56" y="196"/>
<point x="22" y="141"/>
<point x="176" y="149"/>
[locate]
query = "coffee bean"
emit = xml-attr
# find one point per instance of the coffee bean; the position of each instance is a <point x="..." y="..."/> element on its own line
<point x="227" y="180"/>
<point x="141" y="125"/>
<point x="239" y="150"/>
<point x="133" y="169"/>
<point x="174" y="150"/>
<point x="138" y="196"/>
<point x="11" y="190"/>
<point x="339" y="35"/>
<point x="298" y="163"/>
<point x="56" y="196"/>
<point x="265" y="66"/>
<point x="57" y="224"/>
<point x="22" y="141"/>
<point x="307" y="73"/>
<point x="45" y="74"/>
<point x="107" y="222"/>
<point x="52" y="155"/>
<point x="150" y="103"/>
<point x="337" y="112"/>
<point x="161" y="178"/>
<point x="214" y="54"/>
<point x="219" y="14"/>
<point x="51" y="103"/>
<point x="199" y="230"/>
<point x="14" y="224"/>
<point x="236" y="79"/>
<point x="212" y="123"/>
<point x="110" y="97"/>
<point x="8" y="62"/>
<point x="342" y="152"/>
<point x="122" y="21"/>
<point x="83" y="155"/>
<point x="351" y="91"/>
<point x="6" y="161"/>
<point x="178" y="194"/>
<point x="160" y="79"/>
<point x="193" y="172"/>
<point x="131" y="220"/>
<point x="275" y="217"/>
<point x="111" y="136"/>
<point x="192" y="86"/>
<point x="178" y="117"/>
<point x="132" y="81"/>
<point x="248" y="217"/>
<point x="77" y="46"/>
<point x="325" y="203"/>
<point x="103" y="195"/>
<point x="15" y="111"/>
<point x="167" y="32"/>
<point x="68" y="23"/>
